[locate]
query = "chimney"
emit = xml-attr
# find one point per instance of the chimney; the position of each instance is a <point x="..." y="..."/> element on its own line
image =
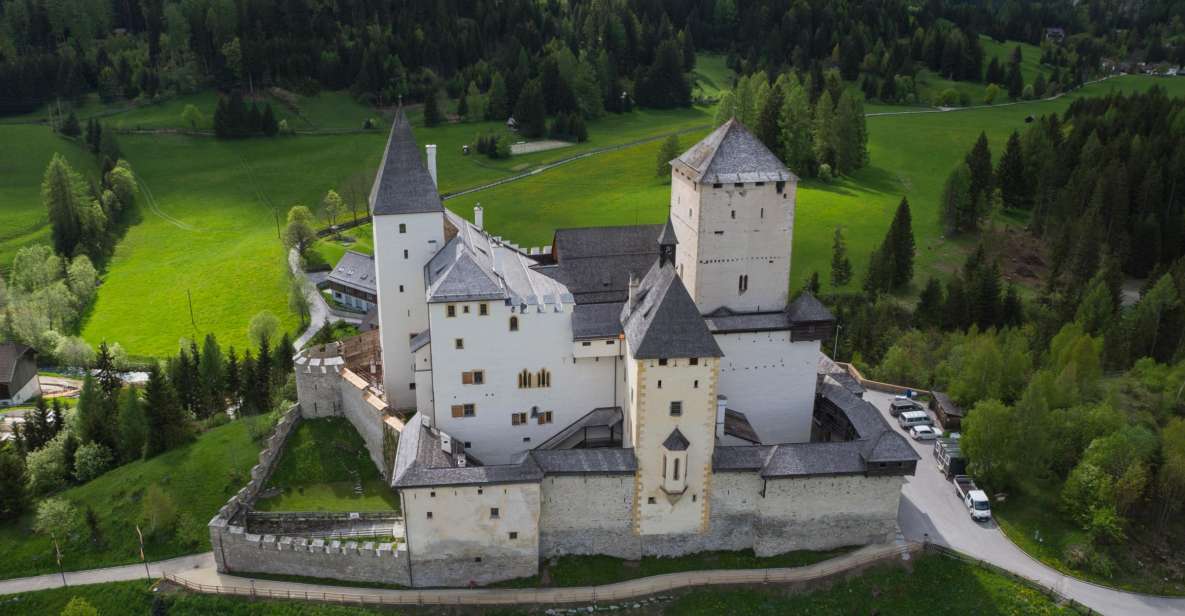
<point x="478" y="219"/>
<point x="721" y="404"/>
<point x="431" y="148"/>
<point x="633" y="296"/>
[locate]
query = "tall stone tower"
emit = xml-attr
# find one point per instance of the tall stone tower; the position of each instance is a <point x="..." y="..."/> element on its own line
<point x="672" y="363"/>
<point x="732" y="206"/>
<point x="408" y="231"/>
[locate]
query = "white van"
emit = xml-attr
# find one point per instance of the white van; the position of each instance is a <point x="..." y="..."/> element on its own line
<point x="910" y="419"/>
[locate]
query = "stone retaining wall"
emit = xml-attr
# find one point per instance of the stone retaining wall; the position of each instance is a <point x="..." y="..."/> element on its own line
<point x="237" y="551"/>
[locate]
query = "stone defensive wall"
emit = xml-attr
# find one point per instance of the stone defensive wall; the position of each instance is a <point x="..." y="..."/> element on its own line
<point x="237" y="550"/>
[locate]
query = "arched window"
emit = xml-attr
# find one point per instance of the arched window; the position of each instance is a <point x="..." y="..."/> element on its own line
<point x="543" y="378"/>
<point x="524" y="379"/>
<point x="513" y="324"/>
<point x="676" y="477"/>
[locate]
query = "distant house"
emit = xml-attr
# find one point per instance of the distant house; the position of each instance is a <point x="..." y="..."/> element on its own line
<point x="352" y="282"/>
<point x="949" y="414"/>
<point x="18" y="374"/>
<point x="1056" y="35"/>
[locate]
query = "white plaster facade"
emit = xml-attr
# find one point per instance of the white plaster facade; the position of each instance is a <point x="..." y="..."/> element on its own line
<point x="403" y="243"/>
<point x="772" y="381"/>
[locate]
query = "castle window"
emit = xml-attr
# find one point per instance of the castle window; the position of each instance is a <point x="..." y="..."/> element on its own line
<point x="650" y="500"/>
<point x="470" y="411"/>
<point x="763" y="212"/>
<point x="660" y="383"/>
<point x="664" y="467"/>
<point x="717" y="185"/>
<point x="513" y="324"/>
<point x="759" y="183"/>
<point x="402" y="228"/>
<point x="483" y="309"/>
<point x="404" y="253"/>
<point x="780" y="186"/>
<point x="459" y="343"/>
<point x="494" y="513"/>
<point x="544" y="417"/>
<point x="401" y="288"/>
<point x="718" y="232"/>
<point x="694" y="361"/>
<point x="473" y="377"/>
<point x="524" y="379"/>
<point x="432" y="494"/>
<point x="543" y="378"/>
<point x="695" y="384"/>
<point x="518" y="419"/>
<point x="739" y="184"/>
<point x="676" y="408"/>
<point x="450" y="311"/>
<point x="609" y="342"/>
<point x="662" y="361"/>
<point x="676" y="475"/>
<point x="586" y="343"/>
<point x="734" y="214"/>
<point x="513" y="536"/>
<point x="526" y="439"/>
<point x="465" y="308"/>
<point x="742" y="283"/>
<point x="429" y="515"/>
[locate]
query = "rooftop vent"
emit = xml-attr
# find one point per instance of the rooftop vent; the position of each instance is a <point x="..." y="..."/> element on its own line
<point x="446" y="443"/>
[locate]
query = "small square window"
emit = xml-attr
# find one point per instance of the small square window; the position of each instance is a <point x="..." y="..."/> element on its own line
<point x="429" y="515"/>
<point x="660" y="383"/>
<point x="738" y="184"/>
<point x="468" y="444"/>
<point x="650" y="501"/>
<point x="480" y="491"/>
<point x="477" y="560"/>
<point x="676" y="408"/>
<point x="494" y="513"/>
<point x="662" y="361"/>
<point x="459" y="343"/>
<point x="609" y="342"/>
<point x="483" y="309"/>
<point x="513" y="535"/>
<point x="586" y="344"/>
<point x="432" y="494"/>
<point x="479" y="377"/>
<point x="404" y="253"/>
<point x="470" y="410"/>
<point x="694" y="361"/>
<point x="401" y="288"/>
<point x="465" y="308"/>
<point x="526" y="439"/>
<point x="402" y="228"/>
<point x="717" y="185"/>
<point x="450" y="310"/>
<point x="411" y="386"/>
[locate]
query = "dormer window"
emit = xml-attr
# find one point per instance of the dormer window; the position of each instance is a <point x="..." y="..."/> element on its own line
<point x="674" y="463"/>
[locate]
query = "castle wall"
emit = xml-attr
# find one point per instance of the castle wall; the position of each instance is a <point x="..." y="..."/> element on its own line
<point x="242" y="552"/>
<point x="819" y="513"/>
<point x="543" y="341"/>
<point x="588" y="514"/>
<point x="464" y="540"/>
<point x="772" y="381"/>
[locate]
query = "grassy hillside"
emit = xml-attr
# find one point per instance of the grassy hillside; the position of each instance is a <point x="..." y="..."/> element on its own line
<point x="199" y="477"/>
<point x="933" y="585"/>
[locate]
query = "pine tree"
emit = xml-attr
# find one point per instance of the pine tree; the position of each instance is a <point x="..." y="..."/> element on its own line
<point x="432" y="115"/>
<point x="165" y="418"/>
<point x="530" y="112"/>
<point x="231" y="381"/>
<point x="71" y="127"/>
<point x="879" y="275"/>
<point x="498" y="108"/>
<point x="841" y="265"/>
<point x="210" y="377"/>
<point x="63" y="194"/>
<point x="900" y="243"/>
<point x="851" y="136"/>
<point x="767" y="119"/>
<point x="268" y="123"/>
<point x="824" y="131"/>
<point x="668" y="152"/>
<point x="930" y="305"/>
<point x="795" y="123"/>
<point x="13" y="499"/>
<point x="69" y="452"/>
<point x="1010" y="176"/>
<point x="812" y="284"/>
<point x="956" y="205"/>
<point x="133" y="427"/>
<point x="979" y="163"/>
<point x="284" y="353"/>
<point x="94" y="424"/>
<point x="1016" y="83"/>
<point x="92" y="135"/>
<point x="106" y="372"/>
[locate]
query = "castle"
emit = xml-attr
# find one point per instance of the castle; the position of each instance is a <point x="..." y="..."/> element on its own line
<point x="629" y="391"/>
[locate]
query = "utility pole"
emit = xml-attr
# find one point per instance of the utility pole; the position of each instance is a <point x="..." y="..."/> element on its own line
<point x="140" y="536"/>
<point x="58" y="555"/>
<point x="276" y="216"/>
<point x="835" y="347"/>
<point x="192" y="322"/>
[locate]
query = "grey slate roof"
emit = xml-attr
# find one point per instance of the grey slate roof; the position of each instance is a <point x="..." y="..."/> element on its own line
<point x="676" y="441"/>
<point x="595" y="263"/>
<point x="355" y="270"/>
<point x="723" y="321"/>
<point x="737" y="424"/>
<point x="596" y="321"/>
<point x="667" y="236"/>
<point x="879" y="441"/>
<point x="607" y="461"/>
<point x="420" y="462"/>
<point x="10" y="355"/>
<point x="403" y="184"/>
<point x="732" y="154"/>
<point x="604" y="417"/>
<point x="464" y="279"/>
<point x="948" y="405"/>
<point x="746" y="458"/>
<point x="666" y="322"/>
<point x="806" y="308"/>
<point x="804" y="459"/>
<point x="420" y="340"/>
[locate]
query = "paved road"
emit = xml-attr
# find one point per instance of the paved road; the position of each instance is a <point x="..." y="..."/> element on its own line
<point x="110" y="574"/>
<point x="929" y="507"/>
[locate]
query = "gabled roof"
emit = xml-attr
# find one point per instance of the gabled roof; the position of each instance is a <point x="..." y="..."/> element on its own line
<point x="676" y="441"/>
<point x="806" y="308"/>
<point x="403" y="184"/>
<point x="732" y="154"/>
<point x="464" y="279"/>
<point x="665" y="322"/>
<point x="10" y="355"/>
<point x="668" y="234"/>
<point x="355" y="270"/>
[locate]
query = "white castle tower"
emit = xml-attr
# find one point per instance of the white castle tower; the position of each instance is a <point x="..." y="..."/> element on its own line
<point x="408" y="230"/>
<point x="732" y="206"/>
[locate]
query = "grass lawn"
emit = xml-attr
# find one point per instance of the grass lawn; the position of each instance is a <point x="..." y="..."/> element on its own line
<point x="319" y="467"/>
<point x="932" y="585"/>
<point x="1033" y="520"/>
<point x="598" y="570"/>
<point x="199" y="477"/>
<point x="329" y="250"/>
<point x="213" y="235"/>
<point x="23" y="218"/>
<point x="929" y="85"/>
<point x="712" y="75"/>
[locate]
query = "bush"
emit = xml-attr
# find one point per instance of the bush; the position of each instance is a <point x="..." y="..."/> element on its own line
<point x="91" y="460"/>
<point x="216" y="420"/>
<point x="158" y="513"/>
<point x="59" y="517"/>
<point x="45" y="469"/>
<point x="191" y="532"/>
<point x="825" y="173"/>
<point x="79" y="607"/>
<point x="948" y="98"/>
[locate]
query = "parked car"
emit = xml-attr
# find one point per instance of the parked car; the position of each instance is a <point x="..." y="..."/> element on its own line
<point x="902" y="405"/>
<point x="949" y="457"/>
<point x="974" y="499"/>
<point x="910" y="419"/>
<point x="923" y="433"/>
